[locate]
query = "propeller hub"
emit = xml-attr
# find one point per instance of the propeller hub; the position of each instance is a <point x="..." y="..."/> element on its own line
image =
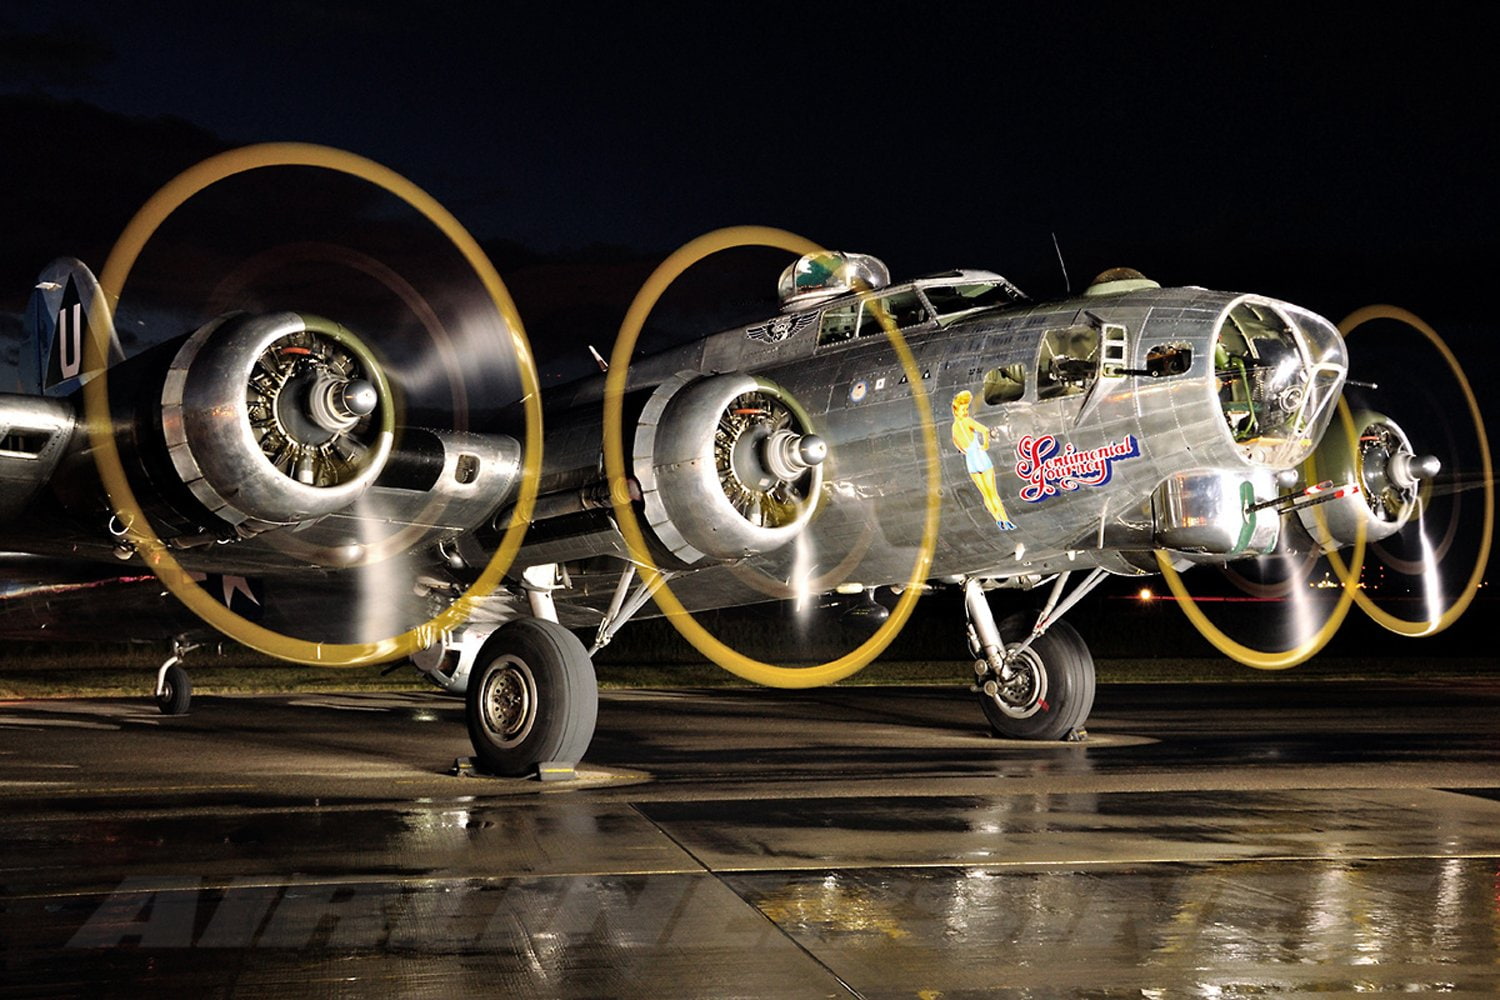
<point x="336" y="405"/>
<point x="358" y="397"/>
<point x="787" y="454"/>
<point x="1406" y="469"/>
<point x="812" y="449"/>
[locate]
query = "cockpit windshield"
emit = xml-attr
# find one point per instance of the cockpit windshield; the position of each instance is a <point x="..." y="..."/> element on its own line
<point x="1279" y="374"/>
<point x="950" y="302"/>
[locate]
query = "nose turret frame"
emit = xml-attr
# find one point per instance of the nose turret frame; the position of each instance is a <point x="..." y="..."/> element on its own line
<point x="1278" y="371"/>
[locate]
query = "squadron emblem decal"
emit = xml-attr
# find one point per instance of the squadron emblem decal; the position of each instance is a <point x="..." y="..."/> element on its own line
<point x="780" y="328"/>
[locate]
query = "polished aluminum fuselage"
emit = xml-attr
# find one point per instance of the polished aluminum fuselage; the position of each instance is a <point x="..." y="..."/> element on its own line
<point x="1156" y="466"/>
<point x="876" y="488"/>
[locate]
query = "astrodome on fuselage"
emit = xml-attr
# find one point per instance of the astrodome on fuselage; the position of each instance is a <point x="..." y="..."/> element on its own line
<point x="850" y="293"/>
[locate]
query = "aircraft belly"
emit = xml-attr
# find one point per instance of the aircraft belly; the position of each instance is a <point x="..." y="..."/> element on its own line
<point x="74" y="615"/>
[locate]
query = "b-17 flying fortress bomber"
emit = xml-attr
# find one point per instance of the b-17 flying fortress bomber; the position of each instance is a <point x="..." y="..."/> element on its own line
<point x="1058" y="443"/>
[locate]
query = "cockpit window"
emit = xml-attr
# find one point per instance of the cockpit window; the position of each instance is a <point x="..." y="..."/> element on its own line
<point x="952" y="301"/>
<point x="865" y="318"/>
<point x="1068" y="362"/>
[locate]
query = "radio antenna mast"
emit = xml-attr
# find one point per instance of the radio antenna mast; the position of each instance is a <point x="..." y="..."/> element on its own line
<point x="1067" y="285"/>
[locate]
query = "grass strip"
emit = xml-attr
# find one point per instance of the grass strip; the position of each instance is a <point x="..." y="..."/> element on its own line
<point x="60" y="676"/>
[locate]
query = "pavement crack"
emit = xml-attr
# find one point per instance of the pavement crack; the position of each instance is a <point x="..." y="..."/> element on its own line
<point x="786" y="934"/>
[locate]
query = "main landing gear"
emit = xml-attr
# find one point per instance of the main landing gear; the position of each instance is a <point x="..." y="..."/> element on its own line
<point x="1035" y="675"/>
<point x="532" y="698"/>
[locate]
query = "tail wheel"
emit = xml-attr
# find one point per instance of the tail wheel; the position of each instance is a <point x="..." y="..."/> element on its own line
<point x="532" y="698"/>
<point x="1055" y="685"/>
<point x="176" y="692"/>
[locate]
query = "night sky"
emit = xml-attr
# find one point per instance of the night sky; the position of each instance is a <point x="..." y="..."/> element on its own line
<point x="1333" y="158"/>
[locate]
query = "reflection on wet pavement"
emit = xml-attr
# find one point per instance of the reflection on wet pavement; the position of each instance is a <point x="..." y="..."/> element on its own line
<point x="1083" y="828"/>
<point x="931" y="863"/>
<point x="1260" y="928"/>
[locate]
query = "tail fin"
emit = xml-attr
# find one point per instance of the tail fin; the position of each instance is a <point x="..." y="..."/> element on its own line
<point x="57" y="325"/>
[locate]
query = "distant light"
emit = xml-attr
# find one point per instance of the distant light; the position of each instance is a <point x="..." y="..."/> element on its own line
<point x="1145" y="594"/>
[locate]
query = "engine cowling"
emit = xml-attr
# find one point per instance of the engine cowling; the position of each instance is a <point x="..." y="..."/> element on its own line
<point x="275" y="419"/>
<point x="1380" y="460"/>
<point x="728" y="466"/>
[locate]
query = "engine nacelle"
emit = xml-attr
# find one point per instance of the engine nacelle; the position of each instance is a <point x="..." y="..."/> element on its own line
<point x="275" y="419"/>
<point x="1379" y="460"/>
<point x="728" y="466"/>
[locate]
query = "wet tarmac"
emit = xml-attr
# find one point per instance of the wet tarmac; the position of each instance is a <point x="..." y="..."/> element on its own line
<point x="1212" y="841"/>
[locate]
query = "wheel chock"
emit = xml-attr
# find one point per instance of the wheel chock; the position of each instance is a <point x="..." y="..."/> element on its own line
<point x="547" y="770"/>
<point x="551" y="770"/>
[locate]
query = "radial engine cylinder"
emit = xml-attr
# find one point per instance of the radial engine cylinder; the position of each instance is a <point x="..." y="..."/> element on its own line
<point x="275" y="419"/>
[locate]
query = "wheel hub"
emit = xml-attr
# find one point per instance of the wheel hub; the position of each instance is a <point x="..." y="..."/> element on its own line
<point x="509" y="702"/>
<point x="1022" y="693"/>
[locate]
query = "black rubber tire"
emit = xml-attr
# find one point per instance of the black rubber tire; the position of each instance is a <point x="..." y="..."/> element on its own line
<point x="545" y="667"/>
<point x="177" y="692"/>
<point x="1070" y="683"/>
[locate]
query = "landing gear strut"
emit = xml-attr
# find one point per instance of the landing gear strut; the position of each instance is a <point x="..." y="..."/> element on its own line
<point x="1035" y="675"/>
